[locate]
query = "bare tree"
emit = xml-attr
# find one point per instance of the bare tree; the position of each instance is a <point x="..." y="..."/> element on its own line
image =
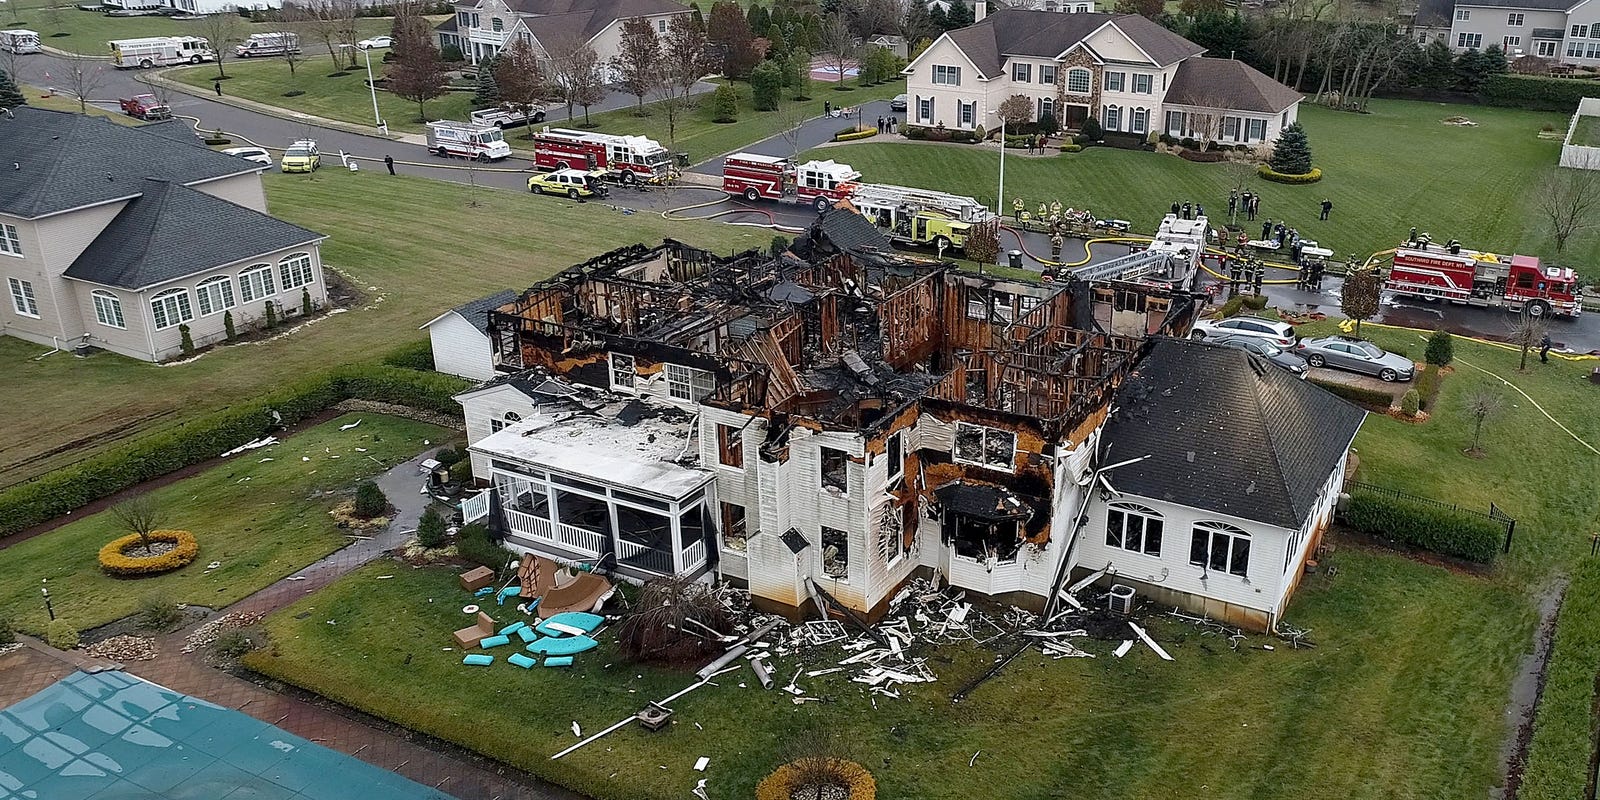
<point x="1527" y="331"/>
<point x="1481" y="404"/>
<point x="575" y="74"/>
<point x="639" y="59"/>
<point x="222" y="30"/>
<point x="300" y="22"/>
<point x="684" y="58"/>
<point x="347" y="14"/>
<point x="839" y="44"/>
<point x="322" y="23"/>
<point x="521" y="79"/>
<point x="1359" y="296"/>
<point x="82" y="76"/>
<point x="1015" y="110"/>
<point x="1568" y="201"/>
<point x="793" y="119"/>
<point x="140" y="515"/>
<point x="416" y="73"/>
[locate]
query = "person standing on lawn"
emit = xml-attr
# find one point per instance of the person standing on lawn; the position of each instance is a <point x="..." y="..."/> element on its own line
<point x="1544" y="349"/>
<point x="1327" y="207"/>
<point x="388" y="161"/>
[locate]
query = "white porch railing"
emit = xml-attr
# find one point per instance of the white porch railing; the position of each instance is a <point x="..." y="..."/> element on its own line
<point x="475" y="507"/>
<point x="529" y="526"/>
<point x="575" y="538"/>
<point x="694" y="556"/>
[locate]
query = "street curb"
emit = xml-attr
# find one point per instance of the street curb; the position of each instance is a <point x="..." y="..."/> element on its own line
<point x="274" y="111"/>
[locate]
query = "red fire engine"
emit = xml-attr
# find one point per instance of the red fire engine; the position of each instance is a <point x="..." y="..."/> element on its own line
<point x="1454" y="273"/>
<point x="623" y="158"/>
<point x="818" y="184"/>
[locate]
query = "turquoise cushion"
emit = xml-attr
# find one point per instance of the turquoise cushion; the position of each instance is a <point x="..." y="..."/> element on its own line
<point x="558" y="661"/>
<point x="513" y="628"/>
<point x="478" y="660"/>
<point x="564" y="646"/>
<point x="521" y="660"/>
<point x="582" y="620"/>
<point x="528" y="634"/>
<point x="494" y="641"/>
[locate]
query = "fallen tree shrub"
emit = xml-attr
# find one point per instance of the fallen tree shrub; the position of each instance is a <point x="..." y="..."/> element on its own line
<point x="1436" y="528"/>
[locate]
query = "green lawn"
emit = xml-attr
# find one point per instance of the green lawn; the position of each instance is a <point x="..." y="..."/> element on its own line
<point x="88" y="31"/>
<point x="1385" y="171"/>
<point x="81" y="405"/>
<point x="261" y="520"/>
<point x="343" y="98"/>
<point x="1587" y="133"/>
<point x="39" y="98"/>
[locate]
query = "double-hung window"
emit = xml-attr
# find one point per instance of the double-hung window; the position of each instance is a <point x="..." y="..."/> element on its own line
<point x="1255" y="130"/>
<point x="1141" y="84"/>
<point x="256" y="283"/>
<point x="1021" y="73"/>
<point x="1115" y="81"/>
<point x="946" y="75"/>
<point x="22" y="299"/>
<point x="1514" y="20"/>
<point x="294" y="270"/>
<point x="171" y="307"/>
<point x="688" y="383"/>
<point x="1047" y="74"/>
<point x="10" y="242"/>
<point x="215" y="295"/>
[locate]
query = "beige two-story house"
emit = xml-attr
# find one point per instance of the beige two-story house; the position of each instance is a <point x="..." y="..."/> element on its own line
<point x="1129" y="73"/>
<point x="1560" y="30"/>
<point x="121" y="238"/>
<point x="482" y="28"/>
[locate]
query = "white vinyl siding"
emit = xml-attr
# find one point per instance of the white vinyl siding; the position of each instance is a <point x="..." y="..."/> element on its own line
<point x="10" y="242"/>
<point x="22" y="298"/>
<point x="256" y="283"/>
<point x="108" y="309"/>
<point x="215" y="295"/>
<point x="171" y="308"/>
<point x="294" y="270"/>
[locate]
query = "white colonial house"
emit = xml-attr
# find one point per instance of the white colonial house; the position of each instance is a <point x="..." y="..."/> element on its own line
<point x="482" y="28"/>
<point x="1131" y="74"/>
<point x="1567" y="31"/>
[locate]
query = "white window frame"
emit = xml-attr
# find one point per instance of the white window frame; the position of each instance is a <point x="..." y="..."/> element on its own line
<point x="1515" y="20"/>
<point x="1508" y="42"/>
<point x="688" y="384"/>
<point x="1546" y="49"/>
<point x="23" y="300"/>
<point x="1580" y="31"/>
<point x="984" y="432"/>
<point x="10" y="241"/>
<point x="294" y="271"/>
<point x="1470" y="41"/>
<point x="1140" y="120"/>
<point x="1129" y="513"/>
<point x="925" y="109"/>
<point x="108" y="309"/>
<point x="615" y="368"/>
<point x="1462" y="15"/>
<point x="214" y="295"/>
<point x="256" y="276"/>
<point x="1233" y="535"/>
<point x="946" y="75"/>
<point x="1047" y="105"/>
<point x="661" y="25"/>
<point x="1047" y="74"/>
<point x="1146" y="80"/>
<point x="1021" y="72"/>
<point x="1078" y="76"/>
<point x="1115" y="81"/>
<point x="171" y="308"/>
<point x="1255" y="130"/>
<point x="1112" y="118"/>
<point x="967" y="114"/>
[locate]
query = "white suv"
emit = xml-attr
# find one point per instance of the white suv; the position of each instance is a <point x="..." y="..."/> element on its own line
<point x="1279" y="333"/>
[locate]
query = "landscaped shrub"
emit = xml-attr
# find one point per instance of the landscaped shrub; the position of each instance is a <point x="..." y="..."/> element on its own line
<point x="1428" y="385"/>
<point x="1091" y="128"/>
<point x="1254" y="302"/>
<point x="418" y="355"/>
<point x="228" y="331"/>
<point x="1371" y="398"/>
<point x="370" y="501"/>
<point x="158" y="613"/>
<point x="269" y="318"/>
<point x="786" y="782"/>
<point x="1072" y="148"/>
<point x="1267" y="173"/>
<point x="115" y="560"/>
<point x="461" y="472"/>
<point x="1441" y="348"/>
<point x="851" y="134"/>
<point x="1410" y="403"/>
<point x="232" y="644"/>
<point x="915" y="132"/>
<point x="61" y="635"/>
<point x="725" y="104"/>
<point x="148" y="457"/>
<point x="1537" y="93"/>
<point x="185" y="341"/>
<point x="1441" y="530"/>
<point x="1232" y="307"/>
<point x="474" y="545"/>
<point x="430" y="529"/>
<point x="305" y="300"/>
<point x="293" y="93"/>
<point x="449" y="54"/>
<point x="1188" y="143"/>
<point x="8" y="632"/>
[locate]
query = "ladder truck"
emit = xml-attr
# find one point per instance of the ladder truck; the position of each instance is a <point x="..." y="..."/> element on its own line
<point x="1456" y="274"/>
<point x="818" y="184"/>
<point x="920" y="216"/>
<point x="626" y="159"/>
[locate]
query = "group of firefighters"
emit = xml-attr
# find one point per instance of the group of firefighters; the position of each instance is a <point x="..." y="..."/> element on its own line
<point x="1057" y="222"/>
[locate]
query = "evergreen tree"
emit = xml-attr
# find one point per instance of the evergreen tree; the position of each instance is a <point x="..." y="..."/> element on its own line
<point x="430" y="529"/>
<point x="1292" y="154"/>
<point x="10" y="95"/>
<point x="1441" y="348"/>
<point x="938" y="18"/>
<point x="1471" y="71"/>
<point x="227" y="326"/>
<point x="488" y="93"/>
<point x="960" y="14"/>
<point x="766" y="84"/>
<point x="758" y="18"/>
<point x="1494" y="61"/>
<point x="185" y="341"/>
<point x="1439" y="66"/>
<point x="777" y="43"/>
<point x="725" y="104"/>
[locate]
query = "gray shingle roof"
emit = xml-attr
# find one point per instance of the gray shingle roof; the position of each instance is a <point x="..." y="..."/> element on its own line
<point x="1434" y="13"/>
<point x="1532" y="5"/>
<point x="848" y="231"/>
<point x="1229" y="84"/>
<point x="1046" y="34"/>
<point x="1227" y="433"/>
<point x="171" y="231"/>
<point x="552" y="21"/>
<point x="477" y="311"/>
<point x="66" y="161"/>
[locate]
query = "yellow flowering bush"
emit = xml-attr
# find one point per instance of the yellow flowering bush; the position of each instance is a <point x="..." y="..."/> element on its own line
<point x="785" y="779"/>
<point x="115" y="560"/>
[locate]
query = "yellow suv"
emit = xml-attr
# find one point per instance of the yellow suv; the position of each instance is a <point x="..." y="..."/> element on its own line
<point x="302" y="156"/>
<point x="573" y="183"/>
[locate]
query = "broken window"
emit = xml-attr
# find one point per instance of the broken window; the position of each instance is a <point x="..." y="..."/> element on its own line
<point x="730" y="446"/>
<point x="977" y="303"/>
<point x="896" y="459"/>
<point x="890" y="534"/>
<point x="835" y="553"/>
<point x="984" y="539"/>
<point x="1220" y="547"/>
<point x="623" y="373"/>
<point x="691" y="527"/>
<point x="1002" y="305"/>
<point x="501" y="423"/>
<point x="688" y="383"/>
<point x="733" y="527"/>
<point x="527" y="497"/>
<point x="1027" y="303"/>
<point x="984" y="446"/>
<point x="977" y="385"/>
<point x="834" y="475"/>
<point x="1134" y="528"/>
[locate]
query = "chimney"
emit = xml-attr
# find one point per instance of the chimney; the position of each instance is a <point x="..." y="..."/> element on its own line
<point x="980" y="9"/>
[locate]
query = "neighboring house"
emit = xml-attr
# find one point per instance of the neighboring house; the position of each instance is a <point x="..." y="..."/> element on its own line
<point x="1430" y="21"/>
<point x="115" y="237"/>
<point x="460" y="338"/>
<point x="1131" y="74"/>
<point x="1053" y="6"/>
<point x="892" y="42"/>
<point x="482" y="28"/>
<point x="1563" y="30"/>
<point x="830" y="427"/>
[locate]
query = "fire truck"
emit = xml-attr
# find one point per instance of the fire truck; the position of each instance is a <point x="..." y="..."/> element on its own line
<point x="465" y="140"/>
<point x="627" y="159"/>
<point x="818" y="184"/>
<point x="1453" y="273"/>
<point x="920" y="216"/>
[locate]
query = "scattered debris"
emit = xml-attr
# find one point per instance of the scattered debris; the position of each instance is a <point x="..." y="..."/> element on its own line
<point x="253" y="444"/>
<point x="1150" y="642"/>
<point x="1122" y="649"/>
<point x="352" y="425"/>
<point x="701" y="764"/>
<point x="123" y="649"/>
<point x="209" y="632"/>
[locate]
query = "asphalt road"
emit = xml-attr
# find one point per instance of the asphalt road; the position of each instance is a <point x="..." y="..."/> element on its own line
<point x="1581" y="335"/>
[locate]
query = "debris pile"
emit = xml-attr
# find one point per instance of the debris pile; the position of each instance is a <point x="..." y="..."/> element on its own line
<point x="123" y="649"/>
<point x="211" y="631"/>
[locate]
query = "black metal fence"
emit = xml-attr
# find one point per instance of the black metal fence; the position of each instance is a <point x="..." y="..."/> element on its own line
<point x="1495" y="514"/>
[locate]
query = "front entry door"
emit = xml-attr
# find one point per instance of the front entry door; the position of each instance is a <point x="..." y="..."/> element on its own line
<point x="1072" y="117"/>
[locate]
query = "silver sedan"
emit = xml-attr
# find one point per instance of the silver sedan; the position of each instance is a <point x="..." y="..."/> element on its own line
<point x="1356" y="355"/>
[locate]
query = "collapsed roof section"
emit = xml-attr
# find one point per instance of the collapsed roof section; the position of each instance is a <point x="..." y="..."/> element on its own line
<point x="842" y="343"/>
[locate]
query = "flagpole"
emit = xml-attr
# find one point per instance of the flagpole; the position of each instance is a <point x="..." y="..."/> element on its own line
<point x="1000" y="202"/>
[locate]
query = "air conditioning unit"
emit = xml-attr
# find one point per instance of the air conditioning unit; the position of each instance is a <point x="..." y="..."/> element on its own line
<point x="1120" y="601"/>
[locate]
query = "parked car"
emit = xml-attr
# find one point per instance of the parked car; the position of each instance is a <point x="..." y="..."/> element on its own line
<point x="145" y="107"/>
<point x="302" y="156"/>
<point x="375" y="42"/>
<point x="1279" y="333"/>
<point x="573" y="183"/>
<point x="1357" y="355"/>
<point x="505" y="117"/>
<point x="256" y="154"/>
<point x="1269" y="351"/>
<point x="898" y="103"/>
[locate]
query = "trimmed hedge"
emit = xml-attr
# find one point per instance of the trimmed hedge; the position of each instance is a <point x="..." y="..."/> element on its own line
<point x="1358" y="395"/>
<point x="114" y="561"/>
<point x="1441" y="530"/>
<point x="1536" y="92"/>
<point x="852" y="135"/>
<point x="1072" y="148"/>
<point x="70" y="488"/>
<point x="417" y="355"/>
<point x="1427" y="386"/>
<point x="1269" y="174"/>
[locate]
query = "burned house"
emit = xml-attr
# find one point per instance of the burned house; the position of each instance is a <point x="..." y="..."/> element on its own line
<point x="816" y="431"/>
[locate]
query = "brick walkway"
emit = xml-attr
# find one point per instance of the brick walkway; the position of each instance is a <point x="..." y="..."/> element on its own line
<point x="35" y="666"/>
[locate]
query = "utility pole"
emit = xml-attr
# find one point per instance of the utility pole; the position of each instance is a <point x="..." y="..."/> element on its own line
<point x="1000" y="201"/>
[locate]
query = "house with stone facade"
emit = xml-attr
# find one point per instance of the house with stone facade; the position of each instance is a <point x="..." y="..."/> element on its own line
<point x="1129" y="73"/>
<point x="482" y="28"/>
<point x="123" y="238"/>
